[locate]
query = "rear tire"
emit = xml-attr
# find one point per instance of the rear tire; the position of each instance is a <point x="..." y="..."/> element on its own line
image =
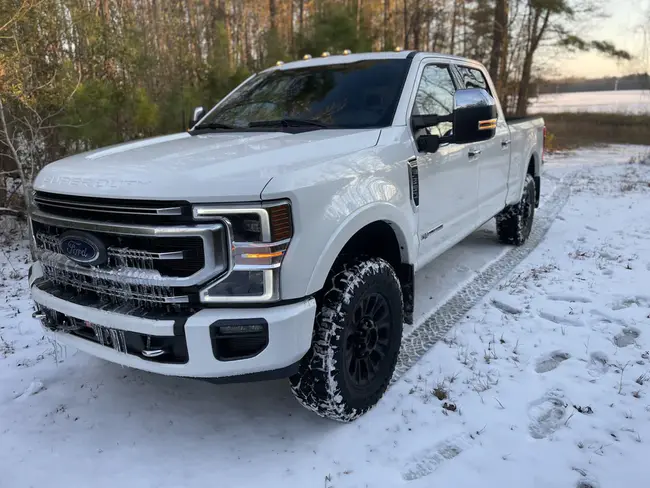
<point x="357" y="337"/>
<point x="515" y="222"/>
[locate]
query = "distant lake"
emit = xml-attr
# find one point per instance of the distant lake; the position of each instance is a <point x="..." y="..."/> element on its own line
<point x="626" y="101"/>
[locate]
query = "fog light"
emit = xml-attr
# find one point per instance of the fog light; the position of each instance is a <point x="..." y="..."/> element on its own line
<point x="240" y="329"/>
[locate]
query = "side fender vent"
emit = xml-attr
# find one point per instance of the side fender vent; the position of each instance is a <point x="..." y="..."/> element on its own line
<point x="414" y="181"/>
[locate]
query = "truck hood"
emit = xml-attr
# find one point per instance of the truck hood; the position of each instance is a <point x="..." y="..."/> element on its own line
<point x="218" y="167"/>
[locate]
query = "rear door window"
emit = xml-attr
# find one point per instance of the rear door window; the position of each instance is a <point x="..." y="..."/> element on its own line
<point x="473" y="78"/>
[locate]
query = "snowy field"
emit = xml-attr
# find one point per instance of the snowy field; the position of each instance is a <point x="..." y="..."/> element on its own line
<point x="625" y="102"/>
<point x="545" y="383"/>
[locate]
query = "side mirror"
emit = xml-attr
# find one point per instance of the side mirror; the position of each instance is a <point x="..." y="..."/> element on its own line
<point x="197" y="114"/>
<point x="475" y="116"/>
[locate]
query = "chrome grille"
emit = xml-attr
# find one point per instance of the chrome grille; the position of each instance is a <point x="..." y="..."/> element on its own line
<point x="147" y="266"/>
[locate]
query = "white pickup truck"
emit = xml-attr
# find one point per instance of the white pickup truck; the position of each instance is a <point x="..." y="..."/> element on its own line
<point x="280" y="235"/>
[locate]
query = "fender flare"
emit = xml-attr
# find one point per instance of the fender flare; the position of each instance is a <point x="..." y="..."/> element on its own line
<point x="534" y="156"/>
<point x="374" y="212"/>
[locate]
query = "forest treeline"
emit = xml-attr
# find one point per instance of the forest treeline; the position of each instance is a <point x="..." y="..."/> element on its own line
<point x="79" y="74"/>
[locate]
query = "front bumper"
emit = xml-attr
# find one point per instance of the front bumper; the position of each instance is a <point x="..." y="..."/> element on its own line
<point x="289" y="335"/>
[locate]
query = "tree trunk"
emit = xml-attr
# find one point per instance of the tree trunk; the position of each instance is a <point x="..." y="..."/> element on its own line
<point x="499" y="42"/>
<point x="524" y="84"/>
<point x="535" y="34"/>
<point x="27" y="183"/>
<point x="386" y="21"/>
<point x="452" y="49"/>
<point x="273" y="15"/>
<point x="406" y="26"/>
<point x="359" y="7"/>
<point x="417" y="25"/>
<point x="292" y="41"/>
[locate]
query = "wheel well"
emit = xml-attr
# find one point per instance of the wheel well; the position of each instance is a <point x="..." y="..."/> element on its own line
<point x="378" y="239"/>
<point x="538" y="180"/>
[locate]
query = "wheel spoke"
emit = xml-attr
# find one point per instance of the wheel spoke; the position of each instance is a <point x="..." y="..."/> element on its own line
<point x="383" y="338"/>
<point x="350" y="342"/>
<point x="381" y="314"/>
<point x="352" y="365"/>
<point x="371" y="366"/>
<point x="376" y="304"/>
<point x="359" y="375"/>
<point x="375" y="357"/>
<point x="357" y="315"/>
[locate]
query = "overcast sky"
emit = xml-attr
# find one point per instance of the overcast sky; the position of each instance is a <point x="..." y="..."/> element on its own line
<point x="623" y="27"/>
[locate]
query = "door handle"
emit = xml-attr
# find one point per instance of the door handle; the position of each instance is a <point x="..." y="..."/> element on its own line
<point x="505" y="144"/>
<point x="474" y="153"/>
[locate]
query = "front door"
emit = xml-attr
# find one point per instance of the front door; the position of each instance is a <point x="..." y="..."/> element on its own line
<point x="449" y="177"/>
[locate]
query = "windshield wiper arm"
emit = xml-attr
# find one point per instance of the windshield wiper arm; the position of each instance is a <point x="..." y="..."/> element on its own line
<point x="288" y="122"/>
<point x="214" y="125"/>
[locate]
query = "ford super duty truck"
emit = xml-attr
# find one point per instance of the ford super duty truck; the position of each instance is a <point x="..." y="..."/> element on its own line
<point x="280" y="235"/>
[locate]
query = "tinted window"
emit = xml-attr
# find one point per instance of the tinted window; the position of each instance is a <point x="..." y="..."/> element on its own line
<point x="473" y="78"/>
<point x="350" y="95"/>
<point x="435" y="96"/>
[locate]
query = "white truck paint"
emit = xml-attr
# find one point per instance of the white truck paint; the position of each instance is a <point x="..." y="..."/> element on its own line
<point x="350" y="189"/>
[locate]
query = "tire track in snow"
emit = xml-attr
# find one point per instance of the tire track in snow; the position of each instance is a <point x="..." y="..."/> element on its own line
<point x="441" y="320"/>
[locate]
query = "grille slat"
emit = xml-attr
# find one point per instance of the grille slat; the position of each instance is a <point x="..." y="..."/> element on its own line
<point x="114" y="210"/>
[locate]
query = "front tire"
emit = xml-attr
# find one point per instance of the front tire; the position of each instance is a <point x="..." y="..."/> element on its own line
<point x="357" y="336"/>
<point x="515" y="222"/>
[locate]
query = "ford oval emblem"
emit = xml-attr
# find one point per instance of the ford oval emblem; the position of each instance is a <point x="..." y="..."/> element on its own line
<point x="83" y="248"/>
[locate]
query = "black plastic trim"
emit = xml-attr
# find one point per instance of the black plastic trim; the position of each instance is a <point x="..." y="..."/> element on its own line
<point x="274" y="374"/>
<point x="411" y="55"/>
<point x="215" y="337"/>
<point x="179" y="326"/>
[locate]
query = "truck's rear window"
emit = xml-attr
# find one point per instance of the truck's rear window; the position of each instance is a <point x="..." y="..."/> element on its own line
<point x="361" y="94"/>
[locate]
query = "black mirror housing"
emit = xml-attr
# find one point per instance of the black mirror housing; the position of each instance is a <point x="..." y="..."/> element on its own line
<point x="428" y="143"/>
<point x="475" y="116"/>
<point x="419" y="122"/>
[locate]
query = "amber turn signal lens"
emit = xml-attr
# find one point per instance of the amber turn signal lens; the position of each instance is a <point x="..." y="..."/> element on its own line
<point x="281" y="225"/>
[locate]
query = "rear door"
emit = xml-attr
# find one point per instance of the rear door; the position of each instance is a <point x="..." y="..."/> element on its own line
<point x="493" y="162"/>
<point x="448" y="178"/>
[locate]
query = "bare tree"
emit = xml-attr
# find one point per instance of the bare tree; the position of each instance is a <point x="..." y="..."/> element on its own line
<point x="499" y="52"/>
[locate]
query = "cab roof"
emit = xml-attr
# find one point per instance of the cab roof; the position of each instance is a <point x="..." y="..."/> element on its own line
<point x="352" y="58"/>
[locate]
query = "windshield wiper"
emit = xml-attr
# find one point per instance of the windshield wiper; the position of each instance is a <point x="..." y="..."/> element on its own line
<point x="289" y="123"/>
<point x="214" y="125"/>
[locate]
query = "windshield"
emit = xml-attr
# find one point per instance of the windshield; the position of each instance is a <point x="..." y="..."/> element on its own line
<point x="363" y="94"/>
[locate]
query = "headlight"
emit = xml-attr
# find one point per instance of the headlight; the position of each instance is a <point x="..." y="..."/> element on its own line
<point x="259" y="238"/>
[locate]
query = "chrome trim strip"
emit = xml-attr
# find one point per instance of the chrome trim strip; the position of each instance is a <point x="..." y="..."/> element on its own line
<point x="108" y="208"/>
<point x="138" y="253"/>
<point x="153" y="353"/>
<point x="429" y="232"/>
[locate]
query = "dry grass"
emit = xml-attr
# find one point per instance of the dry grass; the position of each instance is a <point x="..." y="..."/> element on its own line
<point x="571" y="130"/>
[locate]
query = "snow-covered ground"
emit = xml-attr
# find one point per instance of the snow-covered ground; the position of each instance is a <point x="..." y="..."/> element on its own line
<point x="545" y="383"/>
<point x="625" y="101"/>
